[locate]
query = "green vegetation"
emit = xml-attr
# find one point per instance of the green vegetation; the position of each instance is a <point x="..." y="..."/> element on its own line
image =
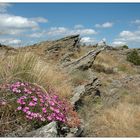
<point x="134" y="57"/>
<point x="125" y="47"/>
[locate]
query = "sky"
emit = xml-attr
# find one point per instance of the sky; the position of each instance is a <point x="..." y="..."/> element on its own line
<point x="29" y="23"/>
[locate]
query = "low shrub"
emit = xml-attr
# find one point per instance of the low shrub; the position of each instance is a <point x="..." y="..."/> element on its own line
<point x="134" y="57"/>
<point x="35" y="106"/>
<point x="125" y="47"/>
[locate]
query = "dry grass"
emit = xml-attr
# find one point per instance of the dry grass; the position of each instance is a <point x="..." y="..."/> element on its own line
<point x="106" y="60"/>
<point x="28" y="67"/>
<point x="121" y="120"/>
<point x="79" y="77"/>
<point x="101" y="68"/>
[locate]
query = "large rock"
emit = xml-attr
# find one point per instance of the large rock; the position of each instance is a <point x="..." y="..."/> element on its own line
<point x="60" y="48"/>
<point x="71" y="43"/>
<point x="49" y="130"/>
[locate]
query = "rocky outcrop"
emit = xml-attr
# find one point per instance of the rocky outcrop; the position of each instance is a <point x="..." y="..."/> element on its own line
<point x="64" y="46"/>
<point x="49" y="130"/>
<point x="85" y="62"/>
<point x="71" y="43"/>
<point x="91" y="88"/>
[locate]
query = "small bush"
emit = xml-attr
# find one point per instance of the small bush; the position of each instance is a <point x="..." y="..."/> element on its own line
<point x="134" y="57"/>
<point x="125" y="47"/>
<point x="34" y="106"/>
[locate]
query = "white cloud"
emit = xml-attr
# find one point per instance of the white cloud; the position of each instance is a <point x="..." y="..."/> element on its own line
<point x="78" y="26"/>
<point x="55" y="31"/>
<point x="137" y="21"/>
<point x="4" y="31"/>
<point x="40" y="19"/>
<point x="127" y="37"/>
<point x="12" y="21"/>
<point x="37" y="34"/>
<point x="3" y="7"/>
<point x="126" y="34"/>
<point x="130" y="36"/>
<point x="15" y="25"/>
<point x="10" y="41"/>
<point x="104" y="25"/>
<point x="88" y="40"/>
<point x="118" y="43"/>
<point x="84" y="31"/>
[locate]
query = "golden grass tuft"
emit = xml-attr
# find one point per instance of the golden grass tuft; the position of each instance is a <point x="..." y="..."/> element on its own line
<point x="27" y="66"/>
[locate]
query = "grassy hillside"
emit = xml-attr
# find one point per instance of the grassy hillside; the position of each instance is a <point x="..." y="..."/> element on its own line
<point x="36" y="89"/>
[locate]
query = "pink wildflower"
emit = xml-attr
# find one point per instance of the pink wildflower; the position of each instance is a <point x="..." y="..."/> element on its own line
<point x="56" y="110"/>
<point x="25" y="109"/>
<point x="34" y="99"/>
<point x="19" y="108"/>
<point x="51" y="103"/>
<point x="28" y="112"/>
<point x="49" y="118"/>
<point x="14" y="89"/>
<point x="43" y="119"/>
<point x="44" y="110"/>
<point x="32" y="104"/>
<point x="41" y="100"/>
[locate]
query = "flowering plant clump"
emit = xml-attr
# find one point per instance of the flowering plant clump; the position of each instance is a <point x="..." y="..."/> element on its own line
<point x="37" y="104"/>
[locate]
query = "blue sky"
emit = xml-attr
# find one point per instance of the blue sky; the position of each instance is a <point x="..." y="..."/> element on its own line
<point x="27" y="23"/>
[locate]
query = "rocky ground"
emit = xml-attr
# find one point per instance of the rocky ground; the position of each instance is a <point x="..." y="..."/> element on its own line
<point x="102" y="79"/>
